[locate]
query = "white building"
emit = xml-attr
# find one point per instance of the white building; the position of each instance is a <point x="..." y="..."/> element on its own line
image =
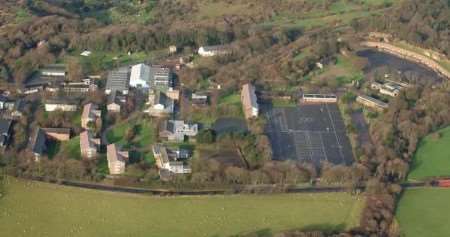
<point x="171" y="164"/>
<point x="177" y="130"/>
<point x="389" y="89"/>
<point x="51" y="106"/>
<point x="140" y="76"/>
<point x="210" y="51"/>
<point x="319" y="98"/>
<point x="249" y="101"/>
<point x="54" y="70"/>
<point x="86" y="53"/>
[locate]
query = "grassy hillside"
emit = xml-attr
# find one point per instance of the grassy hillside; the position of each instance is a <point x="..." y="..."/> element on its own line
<point x="41" y="209"/>
<point x="423" y="212"/>
<point x="432" y="157"/>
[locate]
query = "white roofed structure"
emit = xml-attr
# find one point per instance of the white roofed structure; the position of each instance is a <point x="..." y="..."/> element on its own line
<point x="140" y="76"/>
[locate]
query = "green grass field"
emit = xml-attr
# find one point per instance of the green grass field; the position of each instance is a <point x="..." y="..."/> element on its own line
<point x="432" y="157"/>
<point x="41" y="209"/>
<point x="423" y="212"/>
<point x="144" y="133"/>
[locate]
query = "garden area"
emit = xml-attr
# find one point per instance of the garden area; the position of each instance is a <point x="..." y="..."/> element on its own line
<point x="136" y="135"/>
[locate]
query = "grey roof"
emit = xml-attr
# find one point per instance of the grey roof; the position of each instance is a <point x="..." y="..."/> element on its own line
<point x="39" y="80"/>
<point x="115" y="97"/>
<point x="118" y="79"/>
<point x="5" y="128"/>
<point x="160" y="77"/>
<point x="39" y="142"/>
<point x="170" y="126"/>
<point x="162" y="98"/>
<point x="54" y="68"/>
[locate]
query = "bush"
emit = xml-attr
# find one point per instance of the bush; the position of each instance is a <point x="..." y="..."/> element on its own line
<point x="206" y="136"/>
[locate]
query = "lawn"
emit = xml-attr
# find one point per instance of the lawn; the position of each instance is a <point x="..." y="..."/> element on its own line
<point x="99" y="60"/>
<point x="40" y="209"/>
<point x="424" y="212"/>
<point x="141" y="143"/>
<point x="72" y="148"/>
<point x="145" y="134"/>
<point x="227" y="106"/>
<point x="432" y="157"/>
<point x="339" y="12"/>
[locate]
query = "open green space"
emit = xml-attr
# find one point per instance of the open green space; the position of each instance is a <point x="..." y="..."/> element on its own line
<point x="144" y="133"/>
<point x="140" y="143"/>
<point x="41" y="209"/>
<point x="228" y="105"/>
<point x="424" y="212"/>
<point x="338" y="12"/>
<point x="71" y="148"/>
<point x="432" y="157"/>
<point x="99" y="60"/>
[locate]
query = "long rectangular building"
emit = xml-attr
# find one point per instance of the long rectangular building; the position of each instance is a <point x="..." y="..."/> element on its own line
<point x="372" y="102"/>
<point x="249" y="101"/>
<point x="319" y="98"/>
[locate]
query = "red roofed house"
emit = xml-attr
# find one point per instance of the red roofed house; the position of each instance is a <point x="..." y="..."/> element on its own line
<point x="116" y="159"/>
<point x="90" y="115"/>
<point x="88" y="145"/>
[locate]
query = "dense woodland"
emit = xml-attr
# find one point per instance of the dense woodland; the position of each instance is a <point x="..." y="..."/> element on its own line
<point x="425" y="23"/>
<point x="263" y="54"/>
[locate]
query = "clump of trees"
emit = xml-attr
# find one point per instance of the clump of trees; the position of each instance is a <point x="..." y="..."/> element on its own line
<point x="207" y="136"/>
<point x="424" y="23"/>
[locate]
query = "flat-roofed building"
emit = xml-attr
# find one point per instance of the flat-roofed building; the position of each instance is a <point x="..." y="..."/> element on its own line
<point x="60" y="104"/>
<point x="177" y="130"/>
<point x="160" y="77"/>
<point x="199" y="99"/>
<point x="116" y="159"/>
<point x="54" y="70"/>
<point x="160" y="105"/>
<point x="88" y="145"/>
<point x="249" y="101"/>
<point x="140" y="76"/>
<point x="168" y="161"/>
<point x="319" y="98"/>
<point x="214" y="50"/>
<point x="59" y="134"/>
<point x="118" y="81"/>
<point x="372" y="102"/>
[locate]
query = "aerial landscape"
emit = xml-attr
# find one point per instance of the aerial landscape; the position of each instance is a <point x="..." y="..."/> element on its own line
<point x="225" y="118"/>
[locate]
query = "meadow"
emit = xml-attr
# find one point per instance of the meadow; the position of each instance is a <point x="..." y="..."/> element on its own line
<point x="423" y="212"/>
<point x="41" y="209"/>
<point x="432" y="157"/>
